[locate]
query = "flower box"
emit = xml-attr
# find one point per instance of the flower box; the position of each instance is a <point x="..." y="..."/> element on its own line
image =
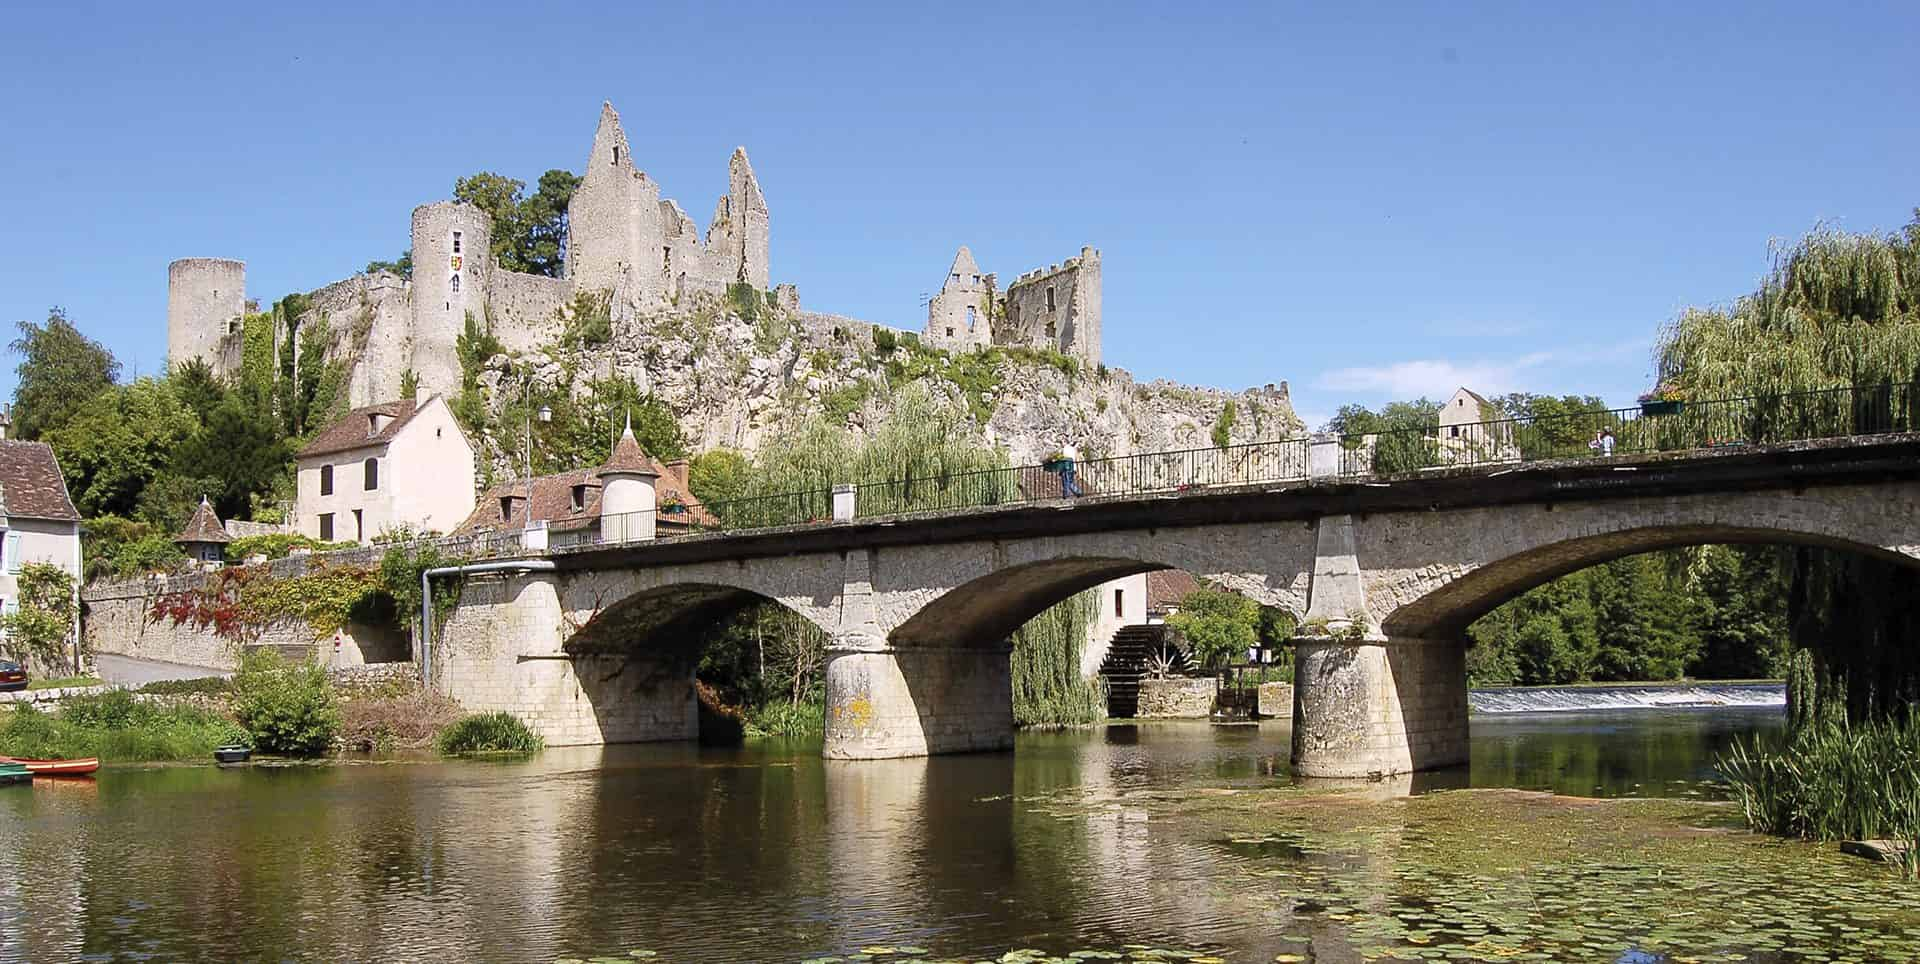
<point x="674" y="508"/>
<point x="1053" y="465"/>
<point x="1661" y="407"/>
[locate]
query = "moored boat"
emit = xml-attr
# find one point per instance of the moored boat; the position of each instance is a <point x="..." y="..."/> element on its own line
<point x="12" y="773"/>
<point x="233" y="753"/>
<point x="56" y="768"/>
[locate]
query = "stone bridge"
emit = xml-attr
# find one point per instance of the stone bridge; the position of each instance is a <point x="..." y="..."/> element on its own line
<point x="1385" y="576"/>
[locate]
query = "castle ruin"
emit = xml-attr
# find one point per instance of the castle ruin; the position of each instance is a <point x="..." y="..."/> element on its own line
<point x="625" y="243"/>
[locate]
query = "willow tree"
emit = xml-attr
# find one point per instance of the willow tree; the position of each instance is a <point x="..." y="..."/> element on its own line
<point x="1836" y="311"/>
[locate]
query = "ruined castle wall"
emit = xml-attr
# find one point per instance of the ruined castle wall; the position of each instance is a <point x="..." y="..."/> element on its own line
<point x="525" y="308"/>
<point x="1056" y="307"/>
<point x="205" y="299"/>
<point x="369" y="320"/>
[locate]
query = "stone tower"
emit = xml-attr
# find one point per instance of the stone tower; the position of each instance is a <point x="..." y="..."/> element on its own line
<point x="1056" y="307"/>
<point x="206" y="302"/>
<point x="452" y="263"/>
<point x="737" y="238"/>
<point x="960" y="316"/>
<point x="615" y="240"/>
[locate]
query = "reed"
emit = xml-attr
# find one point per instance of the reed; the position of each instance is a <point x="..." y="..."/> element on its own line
<point x="488" y="733"/>
<point x="1829" y="780"/>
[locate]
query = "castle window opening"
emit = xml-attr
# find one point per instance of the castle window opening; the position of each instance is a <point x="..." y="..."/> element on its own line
<point x="326" y="480"/>
<point x="949" y="333"/>
<point x="456" y="242"/>
<point x="666" y="258"/>
<point x="326" y="527"/>
<point x="956" y="276"/>
<point x="972" y="313"/>
<point x="976" y="279"/>
<point x="1049" y="297"/>
<point x="373" y="474"/>
<point x="616" y="157"/>
<point x="456" y="284"/>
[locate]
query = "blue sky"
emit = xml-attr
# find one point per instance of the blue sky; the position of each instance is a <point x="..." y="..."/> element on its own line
<point x="1371" y="202"/>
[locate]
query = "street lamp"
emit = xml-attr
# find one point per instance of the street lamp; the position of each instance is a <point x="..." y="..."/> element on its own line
<point x="545" y="415"/>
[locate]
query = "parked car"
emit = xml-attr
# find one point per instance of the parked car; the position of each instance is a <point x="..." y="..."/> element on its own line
<point x="13" y="676"/>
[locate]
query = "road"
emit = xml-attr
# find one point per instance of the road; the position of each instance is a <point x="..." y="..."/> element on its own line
<point x="126" y="669"/>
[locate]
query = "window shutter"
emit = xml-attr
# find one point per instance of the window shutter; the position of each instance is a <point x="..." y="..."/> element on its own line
<point x="13" y="552"/>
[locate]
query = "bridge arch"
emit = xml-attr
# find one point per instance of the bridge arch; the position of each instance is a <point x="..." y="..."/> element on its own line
<point x="618" y="610"/>
<point x="1431" y="596"/>
<point x="994" y="588"/>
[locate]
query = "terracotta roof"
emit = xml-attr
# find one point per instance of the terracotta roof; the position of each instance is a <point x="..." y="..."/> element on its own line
<point x="355" y="431"/>
<point x="628" y="456"/>
<point x="1166" y="587"/>
<point x="31" y="486"/>
<point x="204" y="526"/>
<point x="553" y="500"/>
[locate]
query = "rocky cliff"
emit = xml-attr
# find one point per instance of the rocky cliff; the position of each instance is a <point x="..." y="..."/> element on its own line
<point x="739" y="369"/>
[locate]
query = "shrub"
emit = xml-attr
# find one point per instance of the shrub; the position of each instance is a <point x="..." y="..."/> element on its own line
<point x="783" y="719"/>
<point x="276" y="545"/>
<point x="884" y="341"/>
<point x="406" y="719"/>
<point x="184" y="687"/>
<point x="289" y="709"/>
<point x="488" y="733"/>
<point x="1223" y="426"/>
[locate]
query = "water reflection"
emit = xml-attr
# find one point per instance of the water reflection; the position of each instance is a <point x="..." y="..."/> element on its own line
<point x="764" y="852"/>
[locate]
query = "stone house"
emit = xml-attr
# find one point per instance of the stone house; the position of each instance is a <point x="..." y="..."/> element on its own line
<point x="1472" y="429"/>
<point x="38" y="522"/>
<point x="576" y="507"/>
<point x="384" y="466"/>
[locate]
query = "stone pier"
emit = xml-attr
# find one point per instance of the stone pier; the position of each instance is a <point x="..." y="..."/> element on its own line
<point x="917" y="702"/>
<point x="1364" y="708"/>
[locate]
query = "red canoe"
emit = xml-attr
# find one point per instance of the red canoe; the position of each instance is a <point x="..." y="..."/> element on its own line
<point x="57" y="768"/>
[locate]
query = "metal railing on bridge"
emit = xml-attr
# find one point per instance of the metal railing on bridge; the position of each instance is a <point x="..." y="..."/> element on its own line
<point x="1651" y="427"/>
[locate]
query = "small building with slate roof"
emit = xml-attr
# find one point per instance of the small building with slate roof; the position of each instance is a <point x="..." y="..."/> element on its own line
<point x="383" y="467"/>
<point x="205" y="539"/>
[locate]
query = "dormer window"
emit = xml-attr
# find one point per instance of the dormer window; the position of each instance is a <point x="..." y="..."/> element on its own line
<point x="506" y="508"/>
<point x="376" y="422"/>
<point x="579" y="497"/>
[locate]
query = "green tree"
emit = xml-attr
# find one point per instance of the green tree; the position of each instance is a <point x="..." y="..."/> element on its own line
<point x="60" y="372"/>
<point x="119" y="442"/>
<point x="241" y="446"/>
<point x="195" y="384"/>
<point x="1218" y="627"/>
<point x="719" y="475"/>
<point x="1837" y="310"/>
<point x="1740" y="613"/>
<point x="1401" y="433"/>
<point x="402" y="266"/>
<point x="42" y="626"/>
<point x="528" y="233"/>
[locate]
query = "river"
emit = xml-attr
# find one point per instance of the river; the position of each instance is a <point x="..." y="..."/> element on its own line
<point x="1175" y="838"/>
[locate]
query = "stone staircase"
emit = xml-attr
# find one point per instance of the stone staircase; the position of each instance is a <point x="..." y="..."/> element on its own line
<point x="1127" y="664"/>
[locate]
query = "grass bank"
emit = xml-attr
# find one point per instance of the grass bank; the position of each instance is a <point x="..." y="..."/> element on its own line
<point x="116" y="727"/>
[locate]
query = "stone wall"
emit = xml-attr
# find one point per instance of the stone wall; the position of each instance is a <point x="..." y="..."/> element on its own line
<point x="1177" y="698"/>
<point x="1275" y="701"/>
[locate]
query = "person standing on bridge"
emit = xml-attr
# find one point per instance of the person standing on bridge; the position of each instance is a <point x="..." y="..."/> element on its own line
<point x="1602" y="442"/>
<point x="1068" y="456"/>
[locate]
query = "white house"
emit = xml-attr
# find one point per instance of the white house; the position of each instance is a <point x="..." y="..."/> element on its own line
<point x="38" y="522"/>
<point x="385" y="466"/>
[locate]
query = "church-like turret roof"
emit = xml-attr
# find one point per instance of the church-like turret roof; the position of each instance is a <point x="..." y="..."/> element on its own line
<point x="628" y="457"/>
<point x="204" y="526"/>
